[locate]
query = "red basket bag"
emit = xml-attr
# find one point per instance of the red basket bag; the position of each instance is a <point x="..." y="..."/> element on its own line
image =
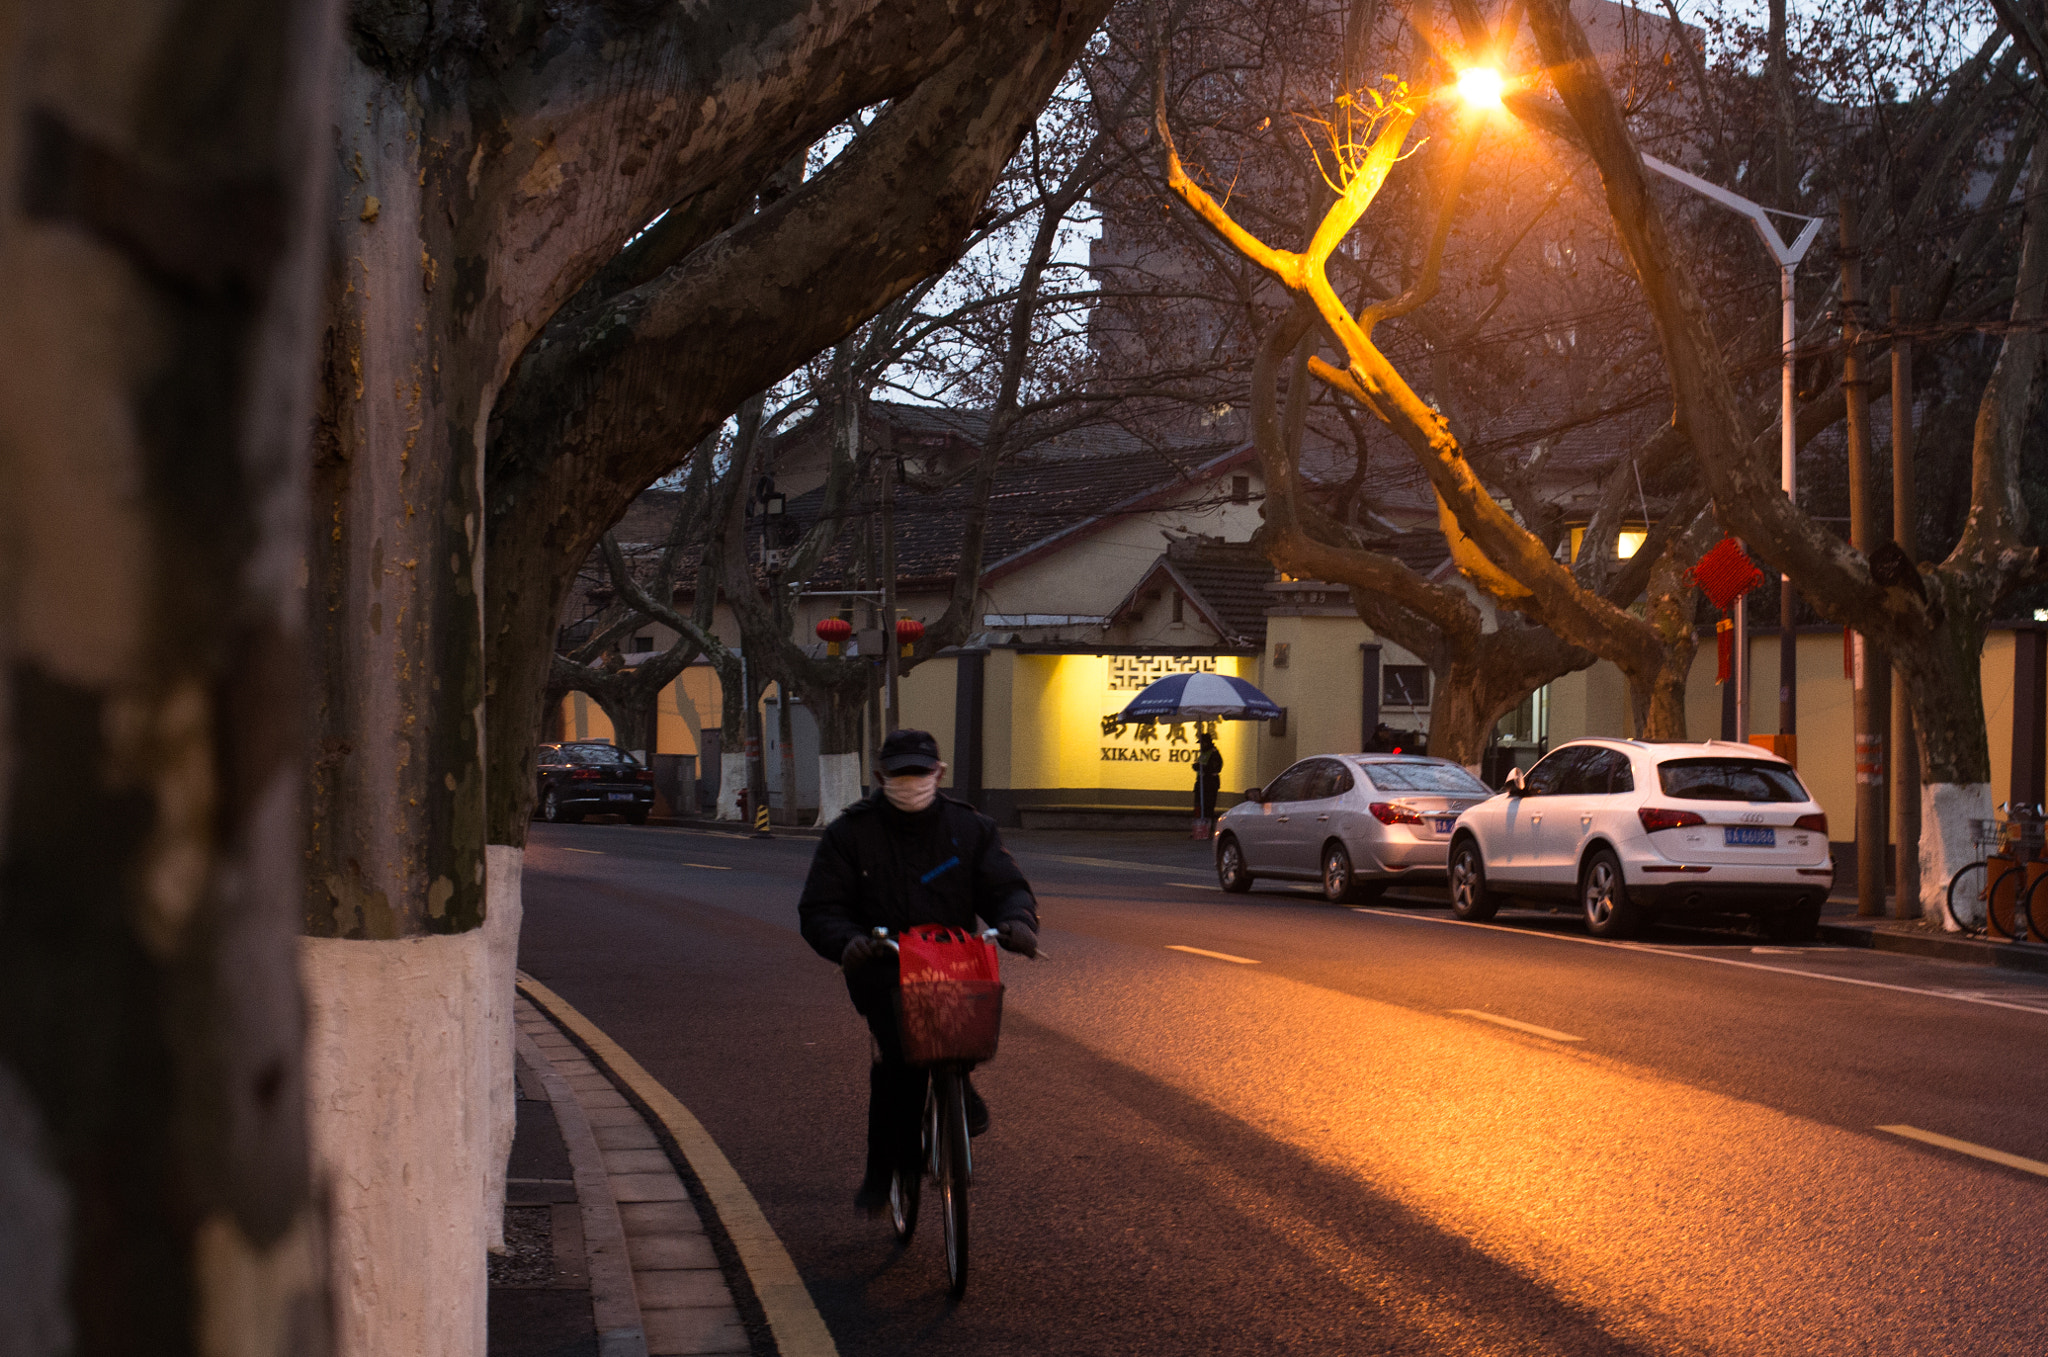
<point x="950" y="1006"/>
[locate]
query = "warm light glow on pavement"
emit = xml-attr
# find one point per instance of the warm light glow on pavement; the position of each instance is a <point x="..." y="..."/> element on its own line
<point x="1480" y="86"/>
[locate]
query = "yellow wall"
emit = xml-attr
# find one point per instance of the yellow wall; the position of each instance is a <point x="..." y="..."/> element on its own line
<point x="925" y="698"/>
<point x="683" y="711"/>
<point x="1056" y="740"/>
<point x="1593" y="701"/>
<point x="1322" y="688"/>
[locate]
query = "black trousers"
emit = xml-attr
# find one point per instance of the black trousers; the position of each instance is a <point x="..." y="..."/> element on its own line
<point x="1205" y="795"/>
<point x="895" y="1099"/>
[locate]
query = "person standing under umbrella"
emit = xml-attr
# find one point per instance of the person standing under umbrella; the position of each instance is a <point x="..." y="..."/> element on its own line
<point x="1208" y="778"/>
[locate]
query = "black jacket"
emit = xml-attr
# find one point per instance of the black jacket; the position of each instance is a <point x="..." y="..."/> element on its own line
<point x="878" y="867"/>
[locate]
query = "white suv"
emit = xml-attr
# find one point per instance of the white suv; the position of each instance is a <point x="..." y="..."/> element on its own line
<point x="1631" y="829"/>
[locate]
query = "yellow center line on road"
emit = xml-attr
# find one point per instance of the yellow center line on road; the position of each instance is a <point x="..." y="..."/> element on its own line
<point x="1220" y="956"/>
<point x="1531" y="1028"/>
<point x="2011" y="1161"/>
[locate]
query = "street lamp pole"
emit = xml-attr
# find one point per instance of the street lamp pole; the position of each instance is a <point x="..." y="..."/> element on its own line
<point x="1788" y="257"/>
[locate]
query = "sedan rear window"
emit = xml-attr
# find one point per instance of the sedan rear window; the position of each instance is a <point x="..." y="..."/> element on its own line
<point x="1729" y="780"/>
<point x="1425" y="777"/>
<point x="600" y="755"/>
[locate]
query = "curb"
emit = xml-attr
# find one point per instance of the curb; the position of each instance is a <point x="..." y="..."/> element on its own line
<point x="2003" y="955"/>
<point x="793" y="1319"/>
<point x="616" y="1305"/>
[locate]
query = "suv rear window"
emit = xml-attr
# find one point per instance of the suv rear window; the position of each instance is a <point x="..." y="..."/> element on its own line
<point x="1729" y="780"/>
<point x="1425" y="777"/>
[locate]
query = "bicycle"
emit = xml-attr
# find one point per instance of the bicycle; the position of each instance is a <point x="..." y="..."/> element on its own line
<point x="950" y="1012"/>
<point x="1994" y="894"/>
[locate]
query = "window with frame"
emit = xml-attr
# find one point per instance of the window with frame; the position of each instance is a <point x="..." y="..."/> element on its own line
<point x="1404" y="685"/>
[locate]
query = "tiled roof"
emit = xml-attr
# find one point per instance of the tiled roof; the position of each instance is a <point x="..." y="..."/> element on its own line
<point x="1228" y="581"/>
<point x="1039" y="501"/>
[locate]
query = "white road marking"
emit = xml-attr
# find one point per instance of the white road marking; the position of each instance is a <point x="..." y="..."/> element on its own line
<point x="707" y="866"/>
<point x="1220" y="956"/>
<point x="594" y="852"/>
<point x="1643" y="950"/>
<point x="1192" y="885"/>
<point x="1101" y="862"/>
<point x="2011" y="1161"/>
<point x="1528" y="1027"/>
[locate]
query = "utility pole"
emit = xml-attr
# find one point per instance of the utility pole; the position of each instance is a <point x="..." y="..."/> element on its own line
<point x="1871" y="674"/>
<point x="1788" y="256"/>
<point x="1906" y="532"/>
<point x="894" y="719"/>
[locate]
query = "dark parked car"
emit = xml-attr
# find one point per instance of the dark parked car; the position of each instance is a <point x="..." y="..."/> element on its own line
<point x="591" y="778"/>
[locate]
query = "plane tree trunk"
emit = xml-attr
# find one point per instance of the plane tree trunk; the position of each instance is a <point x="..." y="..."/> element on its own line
<point x="160" y="237"/>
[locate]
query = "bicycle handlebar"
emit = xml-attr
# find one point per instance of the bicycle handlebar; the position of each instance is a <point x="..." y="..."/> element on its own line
<point x="986" y="935"/>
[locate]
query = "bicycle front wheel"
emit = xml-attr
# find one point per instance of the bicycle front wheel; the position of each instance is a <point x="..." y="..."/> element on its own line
<point x="1966" y="897"/>
<point x="955" y="1169"/>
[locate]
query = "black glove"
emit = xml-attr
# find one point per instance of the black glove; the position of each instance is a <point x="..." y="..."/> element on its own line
<point x="862" y="953"/>
<point x="1017" y="937"/>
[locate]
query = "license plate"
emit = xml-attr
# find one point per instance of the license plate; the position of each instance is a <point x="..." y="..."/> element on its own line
<point x="627" y="796"/>
<point x="1443" y="824"/>
<point x="1750" y="836"/>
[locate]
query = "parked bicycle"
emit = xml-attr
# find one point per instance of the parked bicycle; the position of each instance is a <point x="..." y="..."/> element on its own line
<point x="950" y="1016"/>
<point x="1997" y="893"/>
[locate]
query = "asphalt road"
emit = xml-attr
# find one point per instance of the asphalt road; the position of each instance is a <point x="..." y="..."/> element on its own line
<point x="1329" y="1139"/>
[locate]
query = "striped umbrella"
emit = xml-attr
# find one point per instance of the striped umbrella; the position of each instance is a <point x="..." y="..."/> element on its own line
<point x="1201" y="697"/>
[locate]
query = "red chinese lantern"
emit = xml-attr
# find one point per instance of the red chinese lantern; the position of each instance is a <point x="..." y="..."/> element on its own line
<point x="833" y="631"/>
<point x="908" y="632"/>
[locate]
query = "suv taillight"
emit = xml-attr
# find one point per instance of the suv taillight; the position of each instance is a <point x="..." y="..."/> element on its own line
<point x="1655" y="818"/>
<point x="1387" y="813"/>
<point x="1817" y="823"/>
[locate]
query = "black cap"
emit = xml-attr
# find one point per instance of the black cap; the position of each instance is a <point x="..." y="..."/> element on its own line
<point x="905" y="750"/>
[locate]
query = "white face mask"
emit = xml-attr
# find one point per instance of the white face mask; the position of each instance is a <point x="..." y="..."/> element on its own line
<point x="908" y="792"/>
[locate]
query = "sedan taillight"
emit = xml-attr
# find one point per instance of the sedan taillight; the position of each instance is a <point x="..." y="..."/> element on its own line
<point x="1817" y="823"/>
<point x="644" y="775"/>
<point x="1387" y="813"/>
<point x="1655" y="818"/>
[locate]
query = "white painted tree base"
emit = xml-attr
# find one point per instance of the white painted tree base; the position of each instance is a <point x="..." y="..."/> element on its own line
<point x="838" y="785"/>
<point x="732" y="780"/>
<point x="409" y="1085"/>
<point x="1946" y="844"/>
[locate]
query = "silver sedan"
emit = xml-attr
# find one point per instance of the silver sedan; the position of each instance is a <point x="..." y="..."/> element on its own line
<point x="1358" y="823"/>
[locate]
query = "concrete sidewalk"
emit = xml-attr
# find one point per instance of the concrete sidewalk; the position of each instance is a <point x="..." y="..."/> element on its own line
<point x="608" y="1256"/>
<point x="1839" y="924"/>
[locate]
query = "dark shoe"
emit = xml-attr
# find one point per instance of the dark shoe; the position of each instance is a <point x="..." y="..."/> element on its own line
<point x="873" y="1197"/>
<point x="977" y="1111"/>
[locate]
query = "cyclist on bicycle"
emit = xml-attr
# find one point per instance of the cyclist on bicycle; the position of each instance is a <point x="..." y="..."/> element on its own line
<point x="906" y="855"/>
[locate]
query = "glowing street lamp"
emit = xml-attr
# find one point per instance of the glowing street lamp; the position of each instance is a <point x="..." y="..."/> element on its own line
<point x="1481" y="86"/>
